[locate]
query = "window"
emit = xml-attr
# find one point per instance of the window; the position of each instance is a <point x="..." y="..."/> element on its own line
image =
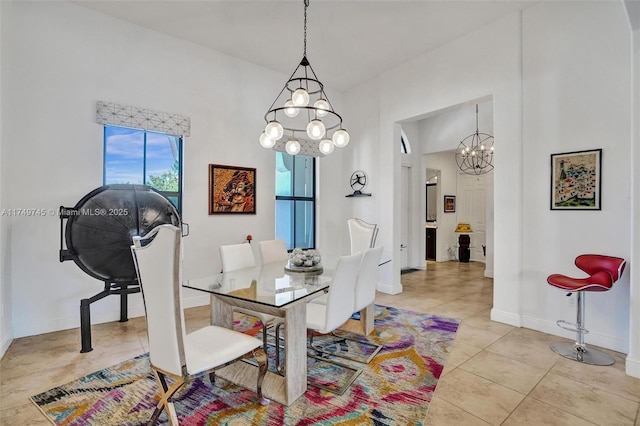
<point x="295" y="200"/>
<point x="144" y="158"/>
<point x="405" y="147"/>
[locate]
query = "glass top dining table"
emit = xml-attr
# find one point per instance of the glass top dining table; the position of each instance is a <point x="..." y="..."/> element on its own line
<point x="275" y="290"/>
<point x="270" y="284"/>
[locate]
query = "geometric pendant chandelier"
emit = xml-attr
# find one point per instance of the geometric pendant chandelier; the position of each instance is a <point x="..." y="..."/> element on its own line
<point x="301" y="115"/>
<point x="475" y="152"/>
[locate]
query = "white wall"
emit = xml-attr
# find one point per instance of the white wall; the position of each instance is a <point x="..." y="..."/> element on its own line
<point x="576" y="86"/>
<point x="559" y="76"/>
<point x="58" y="60"/>
<point x="5" y="284"/>
<point x="633" y="358"/>
<point x="363" y="126"/>
<point x="437" y="80"/>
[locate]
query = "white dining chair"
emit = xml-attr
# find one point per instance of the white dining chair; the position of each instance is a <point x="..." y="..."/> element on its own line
<point x="240" y="256"/>
<point x="173" y="353"/>
<point x="364" y="298"/>
<point x="365" y="290"/>
<point x="272" y="251"/>
<point x="362" y="234"/>
<point x="325" y="318"/>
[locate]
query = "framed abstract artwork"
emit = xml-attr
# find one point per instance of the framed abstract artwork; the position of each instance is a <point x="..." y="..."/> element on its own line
<point x="449" y="203"/>
<point x="232" y="190"/>
<point x="576" y="182"/>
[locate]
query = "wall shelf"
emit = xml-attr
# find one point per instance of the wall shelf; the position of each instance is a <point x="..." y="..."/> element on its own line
<point x="358" y="194"/>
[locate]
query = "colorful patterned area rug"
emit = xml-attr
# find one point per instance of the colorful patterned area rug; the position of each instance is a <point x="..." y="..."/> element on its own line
<point x="395" y="388"/>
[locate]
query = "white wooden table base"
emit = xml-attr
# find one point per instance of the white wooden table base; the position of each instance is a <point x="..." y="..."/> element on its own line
<point x="284" y="390"/>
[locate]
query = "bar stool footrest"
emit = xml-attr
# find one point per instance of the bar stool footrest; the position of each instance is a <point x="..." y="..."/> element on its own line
<point x="571" y="326"/>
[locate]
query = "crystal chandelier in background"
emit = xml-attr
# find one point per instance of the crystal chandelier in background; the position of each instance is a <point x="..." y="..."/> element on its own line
<point x="303" y="114"/>
<point x="475" y="152"/>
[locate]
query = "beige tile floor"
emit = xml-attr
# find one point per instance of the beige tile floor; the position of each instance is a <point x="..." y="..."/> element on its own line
<point x="495" y="375"/>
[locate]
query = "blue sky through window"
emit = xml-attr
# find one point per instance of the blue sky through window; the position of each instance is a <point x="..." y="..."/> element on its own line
<point x="125" y="155"/>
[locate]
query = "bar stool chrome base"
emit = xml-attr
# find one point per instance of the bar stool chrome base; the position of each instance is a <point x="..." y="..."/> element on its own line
<point x="582" y="354"/>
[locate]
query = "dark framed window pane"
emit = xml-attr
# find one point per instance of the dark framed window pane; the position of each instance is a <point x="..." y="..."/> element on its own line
<point x="284" y="222"/>
<point x="133" y="156"/>
<point x="295" y="200"/>
<point x="123" y="155"/>
<point x="284" y="174"/>
<point x="304" y="224"/>
<point x="303" y="180"/>
<point x="162" y="170"/>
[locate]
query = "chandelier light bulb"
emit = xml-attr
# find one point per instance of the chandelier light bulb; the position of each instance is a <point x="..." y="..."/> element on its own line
<point x="290" y="109"/>
<point x="266" y="141"/>
<point x="482" y="147"/>
<point x="326" y="146"/>
<point x="274" y="130"/>
<point x="316" y="129"/>
<point x="292" y="147"/>
<point x="492" y="150"/>
<point x="300" y="97"/>
<point x="340" y="138"/>
<point x="322" y="107"/>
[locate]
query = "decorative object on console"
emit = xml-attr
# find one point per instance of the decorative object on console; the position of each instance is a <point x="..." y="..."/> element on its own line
<point x="464" y="240"/>
<point x="575" y="180"/>
<point x="357" y="182"/>
<point x="475" y="152"/>
<point x="303" y="115"/>
<point x="232" y="190"/>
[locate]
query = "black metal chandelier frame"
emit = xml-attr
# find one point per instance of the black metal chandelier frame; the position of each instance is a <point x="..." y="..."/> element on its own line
<point x="307" y="83"/>
<point x="296" y="118"/>
<point x="474" y="155"/>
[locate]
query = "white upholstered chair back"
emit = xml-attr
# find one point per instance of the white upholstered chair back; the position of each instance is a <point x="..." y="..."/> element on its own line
<point x="158" y="265"/>
<point x="362" y="234"/>
<point x="273" y="251"/>
<point x="236" y="256"/>
<point x="341" y="296"/>
<point x="366" y="284"/>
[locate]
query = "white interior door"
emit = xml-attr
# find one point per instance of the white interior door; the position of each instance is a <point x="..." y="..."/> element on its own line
<point x="405" y="219"/>
<point x="472" y="210"/>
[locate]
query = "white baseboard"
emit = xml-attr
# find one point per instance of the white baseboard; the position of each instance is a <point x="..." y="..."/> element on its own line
<point x="595" y="339"/>
<point x="73" y="321"/>
<point x="4" y="345"/>
<point x="632" y="367"/>
<point x="506" y="317"/>
<point x="488" y="273"/>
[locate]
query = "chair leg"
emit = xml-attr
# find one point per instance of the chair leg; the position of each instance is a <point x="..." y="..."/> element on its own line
<point x="578" y="351"/>
<point x="166" y="392"/>
<point x="261" y="359"/>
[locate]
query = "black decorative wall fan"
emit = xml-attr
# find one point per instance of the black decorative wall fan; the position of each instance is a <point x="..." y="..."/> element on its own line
<point x="98" y="236"/>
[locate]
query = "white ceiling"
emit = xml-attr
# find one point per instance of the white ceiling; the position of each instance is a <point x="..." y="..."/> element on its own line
<point x="348" y="42"/>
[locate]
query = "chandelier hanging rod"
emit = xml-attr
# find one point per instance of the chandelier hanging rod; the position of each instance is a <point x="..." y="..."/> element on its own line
<point x="303" y="106"/>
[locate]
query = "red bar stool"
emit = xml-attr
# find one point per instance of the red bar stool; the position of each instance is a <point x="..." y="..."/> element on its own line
<point x="603" y="272"/>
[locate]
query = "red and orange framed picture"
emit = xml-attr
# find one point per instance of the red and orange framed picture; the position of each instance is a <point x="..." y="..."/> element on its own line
<point x="232" y="189"/>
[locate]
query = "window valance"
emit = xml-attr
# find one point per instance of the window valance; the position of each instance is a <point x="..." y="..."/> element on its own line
<point x="142" y="118"/>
